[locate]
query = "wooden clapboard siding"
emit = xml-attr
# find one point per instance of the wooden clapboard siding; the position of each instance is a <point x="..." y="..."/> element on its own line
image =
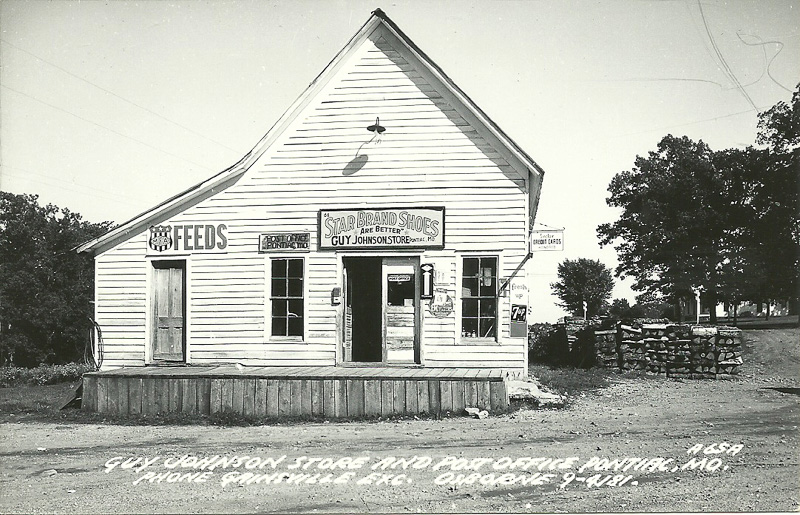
<point x="121" y="311"/>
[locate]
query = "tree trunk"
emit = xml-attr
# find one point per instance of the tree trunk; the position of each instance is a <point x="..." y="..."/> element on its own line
<point x="711" y="296"/>
<point x="711" y="299"/>
<point x="767" y="317"/>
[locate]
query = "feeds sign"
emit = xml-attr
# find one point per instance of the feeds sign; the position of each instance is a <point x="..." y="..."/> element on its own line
<point x="413" y="227"/>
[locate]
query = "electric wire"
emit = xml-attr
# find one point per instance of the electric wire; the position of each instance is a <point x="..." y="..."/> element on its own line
<point x="104" y="127"/>
<point x="120" y="97"/>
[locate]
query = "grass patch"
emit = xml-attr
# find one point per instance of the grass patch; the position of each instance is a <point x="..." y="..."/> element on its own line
<point x="42" y="375"/>
<point x="571" y="381"/>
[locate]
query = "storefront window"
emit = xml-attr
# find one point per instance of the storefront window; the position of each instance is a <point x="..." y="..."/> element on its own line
<point x="479" y="297"/>
<point x="286" y="296"/>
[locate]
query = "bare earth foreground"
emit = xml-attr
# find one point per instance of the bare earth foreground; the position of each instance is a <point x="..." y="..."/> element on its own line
<point x="658" y="430"/>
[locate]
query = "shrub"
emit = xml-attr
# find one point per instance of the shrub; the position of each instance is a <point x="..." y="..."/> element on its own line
<point x="43" y="374"/>
<point x="547" y="343"/>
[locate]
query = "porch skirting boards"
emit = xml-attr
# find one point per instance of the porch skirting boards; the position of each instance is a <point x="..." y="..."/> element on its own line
<point x="294" y="392"/>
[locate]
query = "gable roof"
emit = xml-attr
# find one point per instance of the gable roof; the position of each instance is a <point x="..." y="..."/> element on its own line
<point x="230" y="175"/>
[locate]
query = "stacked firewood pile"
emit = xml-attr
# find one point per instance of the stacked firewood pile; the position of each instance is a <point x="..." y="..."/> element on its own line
<point x="676" y="350"/>
<point x="605" y="346"/>
<point x="704" y="358"/>
<point x="729" y="350"/>
<point x="632" y="349"/>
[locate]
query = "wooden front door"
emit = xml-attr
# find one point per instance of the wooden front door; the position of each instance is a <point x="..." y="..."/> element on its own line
<point x="168" y="335"/>
<point x="401" y="310"/>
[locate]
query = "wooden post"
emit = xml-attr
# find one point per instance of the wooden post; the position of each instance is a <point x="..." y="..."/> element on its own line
<point x="458" y="397"/>
<point x="423" y="400"/>
<point x="355" y="398"/>
<point x="412" y="400"/>
<point x="134" y="395"/>
<point x="435" y="397"/>
<point x="340" y="387"/>
<point x="329" y="398"/>
<point x="306" y="399"/>
<point x="317" y="398"/>
<point x="446" y="388"/>
<point x="387" y="397"/>
<point x="272" y="398"/>
<point x="204" y="396"/>
<point x="249" y="396"/>
<point x="260" y="393"/>
<point x="89" y="399"/>
<point x="399" y="397"/>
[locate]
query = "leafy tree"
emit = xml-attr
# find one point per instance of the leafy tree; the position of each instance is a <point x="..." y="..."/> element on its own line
<point x="673" y="220"/>
<point x="583" y="280"/>
<point x="46" y="288"/>
<point x="779" y="126"/>
<point x="726" y="221"/>
<point x="621" y="309"/>
<point x="774" y="233"/>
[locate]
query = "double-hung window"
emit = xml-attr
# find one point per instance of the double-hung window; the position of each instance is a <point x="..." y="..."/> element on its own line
<point x="286" y="297"/>
<point x="479" y="297"/>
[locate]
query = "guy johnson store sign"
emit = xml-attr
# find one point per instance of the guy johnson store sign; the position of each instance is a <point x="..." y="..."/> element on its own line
<point x="391" y="228"/>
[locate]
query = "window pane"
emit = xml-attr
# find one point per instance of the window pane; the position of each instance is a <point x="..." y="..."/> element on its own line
<point x="469" y="287"/>
<point x="279" y="287"/>
<point x="295" y="267"/>
<point x="295" y="287"/>
<point x="398" y="293"/>
<point x="488" y="307"/>
<point x="295" y="327"/>
<point x="278" y="268"/>
<point x="279" y="308"/>
<point x="488" y="290"/>
<point x="487" y="328"/>
<point x="296" y="308"/>
<point x="470" y="267"/>
<point x="278" y="326"/>
<point x="469" y="327"/>
<point x="469" y="308"/>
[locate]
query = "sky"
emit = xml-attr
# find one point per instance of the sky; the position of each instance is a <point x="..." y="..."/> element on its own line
<point x="108" y="108"/>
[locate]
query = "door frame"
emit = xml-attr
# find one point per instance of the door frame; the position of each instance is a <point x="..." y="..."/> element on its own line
<point x="149" y="309"/>
<point x="341" y="312"/>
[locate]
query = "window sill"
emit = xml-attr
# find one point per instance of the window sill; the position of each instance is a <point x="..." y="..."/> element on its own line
<point x="285" y="339"/>
<point x="477" y="341"/>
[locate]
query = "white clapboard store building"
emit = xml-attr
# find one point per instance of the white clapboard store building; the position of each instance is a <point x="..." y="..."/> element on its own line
<point x="382" y="223"/>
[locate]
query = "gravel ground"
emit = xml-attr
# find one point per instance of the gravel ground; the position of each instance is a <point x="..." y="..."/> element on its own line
<point x="746" y="429"/>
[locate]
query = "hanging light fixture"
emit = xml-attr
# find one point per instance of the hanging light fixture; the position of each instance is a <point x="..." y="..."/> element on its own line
<point x="377" y="129"/>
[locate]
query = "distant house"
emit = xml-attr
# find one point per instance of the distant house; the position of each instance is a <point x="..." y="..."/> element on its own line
<point x="383" y="221"/>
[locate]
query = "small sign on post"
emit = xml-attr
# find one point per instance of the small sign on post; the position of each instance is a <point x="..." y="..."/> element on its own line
<point x="519" y="309"/>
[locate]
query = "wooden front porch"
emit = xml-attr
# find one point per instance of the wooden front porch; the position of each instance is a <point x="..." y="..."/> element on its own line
<point x="293" y="392"/>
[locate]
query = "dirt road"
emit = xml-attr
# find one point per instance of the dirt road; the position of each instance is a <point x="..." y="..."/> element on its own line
<point x="658" y="430"/>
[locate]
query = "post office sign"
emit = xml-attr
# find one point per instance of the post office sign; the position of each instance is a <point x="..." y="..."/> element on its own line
<point x="284" y="242"/>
